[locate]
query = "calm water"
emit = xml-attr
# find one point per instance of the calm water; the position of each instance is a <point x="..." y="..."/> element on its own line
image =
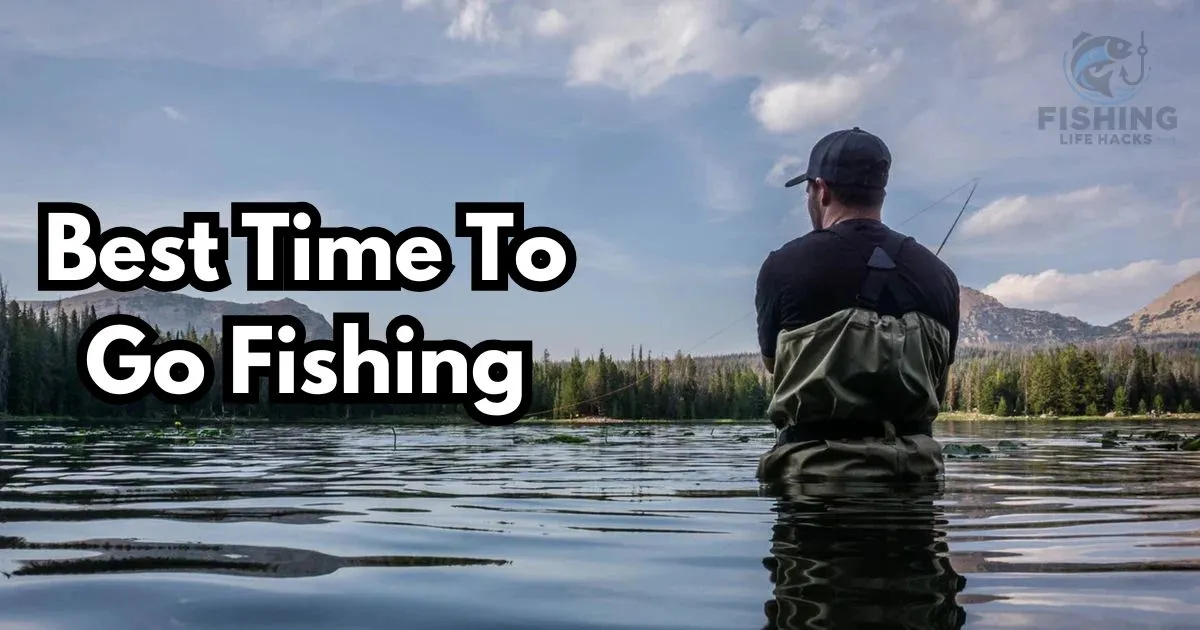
<point x="467" y="527"/>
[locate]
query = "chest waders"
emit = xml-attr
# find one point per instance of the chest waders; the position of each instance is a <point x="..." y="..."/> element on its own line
<point x="890" y="378"/>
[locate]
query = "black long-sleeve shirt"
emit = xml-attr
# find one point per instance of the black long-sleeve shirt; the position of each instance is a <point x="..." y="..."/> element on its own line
<point x="820" y="273"/>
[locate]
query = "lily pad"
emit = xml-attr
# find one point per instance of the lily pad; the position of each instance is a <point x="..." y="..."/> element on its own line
<point x="1009" y="445"/>
<point x="1191" y="445"/>
<point x="965" y="450"/>
<point x="1163" y="436"/>
<point x="563" y="438"/>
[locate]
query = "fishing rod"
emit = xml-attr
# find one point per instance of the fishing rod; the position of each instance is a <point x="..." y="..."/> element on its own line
<point x="960" y="213"/>
<point x="635" y="382"/>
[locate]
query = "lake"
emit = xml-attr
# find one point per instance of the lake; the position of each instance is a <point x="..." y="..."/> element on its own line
<point x="641" y="527"/>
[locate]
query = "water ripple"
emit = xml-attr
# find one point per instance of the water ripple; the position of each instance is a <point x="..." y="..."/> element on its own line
<point x="660" y="527"/>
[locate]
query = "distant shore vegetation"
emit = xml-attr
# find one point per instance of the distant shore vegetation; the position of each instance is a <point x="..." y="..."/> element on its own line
<point x="38" y="379"/>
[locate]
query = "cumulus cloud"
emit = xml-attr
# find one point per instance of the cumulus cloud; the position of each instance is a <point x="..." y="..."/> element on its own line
<point x="1097" y="204"/>
<point x="953" y="85"/>
<point x="1091" y="295"/>
<point x="792" y="106"/>
<point x="629" y="45"/>
<point x="795" y="105"/>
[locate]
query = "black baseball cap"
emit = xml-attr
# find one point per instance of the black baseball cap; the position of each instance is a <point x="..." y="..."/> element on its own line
<point x="850" y="157"/>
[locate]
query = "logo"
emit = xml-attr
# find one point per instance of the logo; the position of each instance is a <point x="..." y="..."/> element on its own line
<point x="1098" y="68"/>
<point x="1107" y="72"/>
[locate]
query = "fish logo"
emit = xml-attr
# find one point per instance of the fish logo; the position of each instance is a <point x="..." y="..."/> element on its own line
<point x="1098" y="67"/>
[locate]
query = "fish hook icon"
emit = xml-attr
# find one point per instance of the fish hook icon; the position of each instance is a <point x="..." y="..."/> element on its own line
<point x="1141" y="51"/>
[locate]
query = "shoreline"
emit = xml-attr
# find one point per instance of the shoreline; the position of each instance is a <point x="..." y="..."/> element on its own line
<point x="978" y="417"/>
<point x="425" y="421"/>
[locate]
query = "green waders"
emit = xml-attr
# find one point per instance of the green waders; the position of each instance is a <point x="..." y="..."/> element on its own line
<point x="856" y="393"/>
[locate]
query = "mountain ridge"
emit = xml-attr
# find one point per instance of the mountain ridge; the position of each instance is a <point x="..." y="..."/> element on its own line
<point x="176" y="312"/>
<point x="984" y="320"/>
<point x="1177" y="311"/>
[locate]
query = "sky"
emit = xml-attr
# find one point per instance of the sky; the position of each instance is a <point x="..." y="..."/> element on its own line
<point x="655" y="135"/>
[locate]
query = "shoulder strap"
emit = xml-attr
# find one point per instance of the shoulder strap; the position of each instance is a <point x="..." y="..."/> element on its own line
<point x="881" y="267"/>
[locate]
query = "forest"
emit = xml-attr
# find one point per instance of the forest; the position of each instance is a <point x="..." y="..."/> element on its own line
<point x="38" y="378"/>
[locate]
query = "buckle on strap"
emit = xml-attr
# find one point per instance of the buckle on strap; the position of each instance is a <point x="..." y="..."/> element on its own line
<point x="881" y="274"/>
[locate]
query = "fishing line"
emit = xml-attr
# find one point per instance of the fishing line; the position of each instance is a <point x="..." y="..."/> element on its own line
<point x="635" y="382"/>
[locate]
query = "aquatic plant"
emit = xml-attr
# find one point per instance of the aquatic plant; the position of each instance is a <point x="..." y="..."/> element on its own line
<point x="1161" y="439"/>
<point x="969" y="451"/>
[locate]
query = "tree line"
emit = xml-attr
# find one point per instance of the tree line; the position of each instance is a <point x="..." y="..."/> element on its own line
<point x="38" y="377"/>
<point x="1071" y="380"/>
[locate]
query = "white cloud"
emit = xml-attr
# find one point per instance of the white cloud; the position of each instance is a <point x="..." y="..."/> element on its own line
<point x="796" y="105"/>
<point x="792" y="106"/>
<point x="952" y="85"/>
<point x="1189" y="202"/>
<point x="18" y="212"/>
<point x="1119" y="291"/>
<point x="475" y="22"/>
<point x="550" y="23"/>
<point x="173" y="114"/>
<point x="785" y="168"/>
<point x="640" y="50"/>
<point x="1097" y="205"/>
<point x="629" y="45"/>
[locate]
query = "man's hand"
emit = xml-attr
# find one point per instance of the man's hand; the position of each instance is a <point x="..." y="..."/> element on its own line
<point x="769" y="363"/>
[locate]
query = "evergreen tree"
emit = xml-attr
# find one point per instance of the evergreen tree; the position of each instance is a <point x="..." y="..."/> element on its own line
<point x="1121" y="401"/>
<point x="38" y="376"/>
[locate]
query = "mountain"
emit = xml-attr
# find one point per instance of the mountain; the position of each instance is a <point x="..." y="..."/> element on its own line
<point x="1175" y="312"/>
<point x="176" y="311"/>
<point x="984" y="321"/>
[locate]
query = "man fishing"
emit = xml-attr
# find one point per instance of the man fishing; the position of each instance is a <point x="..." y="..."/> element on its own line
<point x="858" y="324"/>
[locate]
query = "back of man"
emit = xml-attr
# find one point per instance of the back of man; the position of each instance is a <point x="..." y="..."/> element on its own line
<point x="859" y="325"/>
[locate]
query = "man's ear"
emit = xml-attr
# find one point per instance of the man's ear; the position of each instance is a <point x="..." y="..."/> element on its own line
<point x="824" y="196"/>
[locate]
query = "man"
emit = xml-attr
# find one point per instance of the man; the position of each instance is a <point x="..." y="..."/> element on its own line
<point x="858" y="324"/>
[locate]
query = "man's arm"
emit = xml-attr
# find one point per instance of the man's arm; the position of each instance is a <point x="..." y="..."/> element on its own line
<point x="766" y="302"/>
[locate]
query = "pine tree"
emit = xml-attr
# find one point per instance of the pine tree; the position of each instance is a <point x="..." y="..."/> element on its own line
<point x="1121" y="401"/>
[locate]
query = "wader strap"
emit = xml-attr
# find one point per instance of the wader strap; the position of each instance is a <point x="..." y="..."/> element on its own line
<point x="881" y="274"/>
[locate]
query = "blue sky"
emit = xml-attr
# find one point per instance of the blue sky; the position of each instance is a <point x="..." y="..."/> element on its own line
<point x="654" y="134"/>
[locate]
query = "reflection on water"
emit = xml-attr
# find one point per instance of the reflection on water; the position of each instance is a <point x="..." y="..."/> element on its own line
<point x="115" y="556"/>
<point x="861" y="556"/>
<point x="645" y="527"/>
